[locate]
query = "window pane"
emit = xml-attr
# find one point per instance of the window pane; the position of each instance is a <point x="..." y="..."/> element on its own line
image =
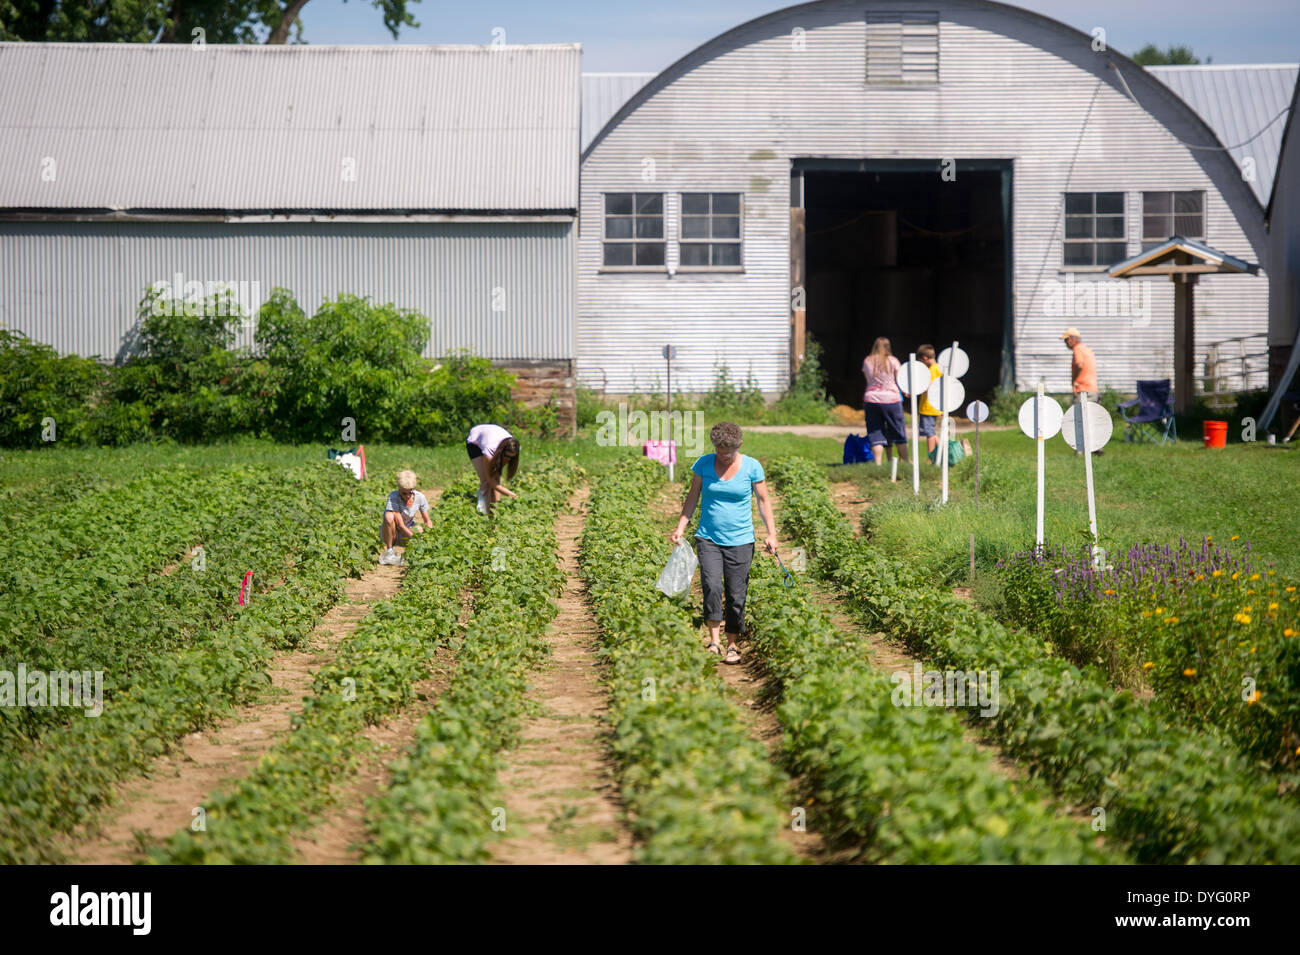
<point x="695" y="253"/>
<point x="650" y="202"/>
<point x="726" y="203"/>
<point x="1108" y="253"/>
<point x="1110" y="227"/>
<point x="1110" y="202"/>
<point x="1078" y="203"/>
<point x="1189" y="226"/>
<point x="1189" y="201"/>
<point x="618" y="227"/>
<point x="649" y="227"/>
<point x="649" y="253"/>
<point x="726" y="227"/>
<point x="726" y="254"/>
<point x="695" y="203"/>
<point x="1154" y="202"/>
<point x="1078" y="253"/>
<point x="695" y="227"/>
<point x="1078" y="227"/>
<point x="1155" y="227"/>
<point x="618" y="203"/>
<point x="618" y="253"/>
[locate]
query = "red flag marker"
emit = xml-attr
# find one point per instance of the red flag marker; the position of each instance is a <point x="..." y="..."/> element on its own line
<point x="243" y="588"/>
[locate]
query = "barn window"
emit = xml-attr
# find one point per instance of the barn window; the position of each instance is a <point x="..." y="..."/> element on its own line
<point x="1166" y="214"/>
<point x="710" y="233"/>
<point x="634" y="229"/>
<point x="902" y="49"/>
<point x="1094" y="229"/>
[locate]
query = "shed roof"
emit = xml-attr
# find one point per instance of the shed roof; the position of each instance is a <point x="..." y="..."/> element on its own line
<point x="1237" y="102"/>
<point x="177" y="128"/>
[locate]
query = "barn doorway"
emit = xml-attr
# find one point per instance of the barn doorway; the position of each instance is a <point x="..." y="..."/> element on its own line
<point x="892" y="248"/>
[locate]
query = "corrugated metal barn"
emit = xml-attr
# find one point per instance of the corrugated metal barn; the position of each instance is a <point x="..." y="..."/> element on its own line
<point x="927" y="171"/>
<point x="443" y="179"/>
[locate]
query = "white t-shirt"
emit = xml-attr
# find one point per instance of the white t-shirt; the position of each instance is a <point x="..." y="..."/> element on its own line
<point x="418" y="503"/>
<point x="488" y="437"/>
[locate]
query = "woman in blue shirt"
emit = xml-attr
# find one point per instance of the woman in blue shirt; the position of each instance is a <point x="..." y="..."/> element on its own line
<point x="725" y="484"/>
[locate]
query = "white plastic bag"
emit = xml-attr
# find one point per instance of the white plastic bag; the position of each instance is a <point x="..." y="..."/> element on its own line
<point x="680" y="570"/>
<point x="482" y="503"/>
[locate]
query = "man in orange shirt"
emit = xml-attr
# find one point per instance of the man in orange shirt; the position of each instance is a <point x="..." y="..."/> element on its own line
<point x="1083" y="367"/>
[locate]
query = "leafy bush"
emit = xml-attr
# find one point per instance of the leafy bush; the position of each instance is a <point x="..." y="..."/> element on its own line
<point x="35" y="383"/>
<point x="733" y="400"/>
<point x="807" y="400"/>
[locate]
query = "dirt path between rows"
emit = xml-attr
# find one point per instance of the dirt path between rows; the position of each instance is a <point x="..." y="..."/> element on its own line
<point x="749" y="685"/>
<point x="561" y="797"/>
<point x="151" y="808"/>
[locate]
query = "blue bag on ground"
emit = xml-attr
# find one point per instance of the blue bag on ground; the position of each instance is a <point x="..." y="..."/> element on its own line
<point x="856" y="449"/>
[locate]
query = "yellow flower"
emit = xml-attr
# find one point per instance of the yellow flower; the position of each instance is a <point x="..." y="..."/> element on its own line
<point x="1160" y="610"/>
<point x="1291" y="589"/>
<point x="1189" y="672"/>
<point x="1216" y="573"/>
<point x="1171" y="619"/>
<point x="1109" y="593"/>
<point x="1252" y="649"/>
<point x="1272" y="606"/>
<point x="1247" y="609"/>
<point x="1146" y="613"/>
<point x="1288" y="632"/>
<point x="1235" y="575"/>
<point x="1234" y="537"/>
<point x="1242" y="618"/>
<point x="1148" y="665"/>
<point x="1253" y="698"/>
<point x="1254" y="576"/>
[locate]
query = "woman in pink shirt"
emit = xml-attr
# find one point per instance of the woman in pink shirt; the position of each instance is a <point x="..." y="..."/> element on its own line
<point x="883" y="403"/>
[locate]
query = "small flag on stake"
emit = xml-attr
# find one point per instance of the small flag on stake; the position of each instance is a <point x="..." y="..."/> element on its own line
<point x="244" y="588"/>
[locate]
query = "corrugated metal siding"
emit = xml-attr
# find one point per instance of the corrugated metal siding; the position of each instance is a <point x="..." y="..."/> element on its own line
<point x="1237" y="102"/>
<point x="1014" y="87"/>
<point x="1284" y="244"/>
<point x="99" y="272"/>
<point x="252" y="127"/>
<point x="603" y="95"/>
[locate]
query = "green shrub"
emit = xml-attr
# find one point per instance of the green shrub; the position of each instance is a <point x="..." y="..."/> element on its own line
<point x="807" y="400"/>
<point x="35" y="383"/>
<point x="735" y="401"/>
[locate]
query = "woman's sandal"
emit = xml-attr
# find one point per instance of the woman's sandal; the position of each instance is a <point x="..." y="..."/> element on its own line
<point x="714" y="647"/>
<point x="733" y="655"/>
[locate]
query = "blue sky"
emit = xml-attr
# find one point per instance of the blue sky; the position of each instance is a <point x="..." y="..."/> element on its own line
<point x="624" y="35"/>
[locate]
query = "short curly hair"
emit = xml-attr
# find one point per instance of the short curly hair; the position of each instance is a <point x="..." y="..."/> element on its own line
<point x="725" y="436"/>
<point x="406" y="480"/>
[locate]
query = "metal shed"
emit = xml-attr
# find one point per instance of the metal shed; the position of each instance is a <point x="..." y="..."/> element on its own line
<point x="926" y="171"/>
<point x="439" y="178"/>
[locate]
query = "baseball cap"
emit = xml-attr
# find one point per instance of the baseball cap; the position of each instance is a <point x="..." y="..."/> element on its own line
<point x="1070" y="332"/>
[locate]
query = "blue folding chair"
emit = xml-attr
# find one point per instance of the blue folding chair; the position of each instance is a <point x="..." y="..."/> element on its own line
<point x="1154" y="419"/>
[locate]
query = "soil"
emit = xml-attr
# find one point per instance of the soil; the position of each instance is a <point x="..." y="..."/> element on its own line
<point x="561" y="797"/>
<point x="151" y="808"/>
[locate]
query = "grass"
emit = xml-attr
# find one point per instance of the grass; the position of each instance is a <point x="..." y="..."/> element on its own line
<point x="1143" y="492"/>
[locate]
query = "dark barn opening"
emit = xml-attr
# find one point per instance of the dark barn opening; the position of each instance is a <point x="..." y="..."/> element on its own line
<point x="892" y="249"/>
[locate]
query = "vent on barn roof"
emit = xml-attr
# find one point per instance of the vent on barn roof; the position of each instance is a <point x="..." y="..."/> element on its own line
<point x="902" y="49"/>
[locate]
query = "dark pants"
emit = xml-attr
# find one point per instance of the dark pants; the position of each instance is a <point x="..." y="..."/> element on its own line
<point x="725" y="568"/>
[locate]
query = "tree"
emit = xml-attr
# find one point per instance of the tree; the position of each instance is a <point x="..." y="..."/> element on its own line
<point x="1152" y="55"/>
<point x="170" y="21"/>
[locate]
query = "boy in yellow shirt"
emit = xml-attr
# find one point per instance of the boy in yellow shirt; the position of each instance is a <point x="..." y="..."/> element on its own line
<point x="926" y="412"/>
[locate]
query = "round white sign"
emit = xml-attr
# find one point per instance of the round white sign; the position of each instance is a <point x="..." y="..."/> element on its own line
<point x="1100" y="427"/>
<point x="977" y="411"/>
<point x="912" y="371"/>
<point x="960" y="362"/>
<point x="946" y="393"/>
<point x="1048" y="413"/>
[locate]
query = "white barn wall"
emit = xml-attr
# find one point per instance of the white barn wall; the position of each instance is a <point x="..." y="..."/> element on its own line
<point x="736" y="113"/>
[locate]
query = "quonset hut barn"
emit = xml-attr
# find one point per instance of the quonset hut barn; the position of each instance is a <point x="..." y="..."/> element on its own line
<point x="443" y="179"/>
<point x="927" y="171"/>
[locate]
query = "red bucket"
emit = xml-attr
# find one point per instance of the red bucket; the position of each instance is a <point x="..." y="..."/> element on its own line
<point x="1215" y="433"/>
